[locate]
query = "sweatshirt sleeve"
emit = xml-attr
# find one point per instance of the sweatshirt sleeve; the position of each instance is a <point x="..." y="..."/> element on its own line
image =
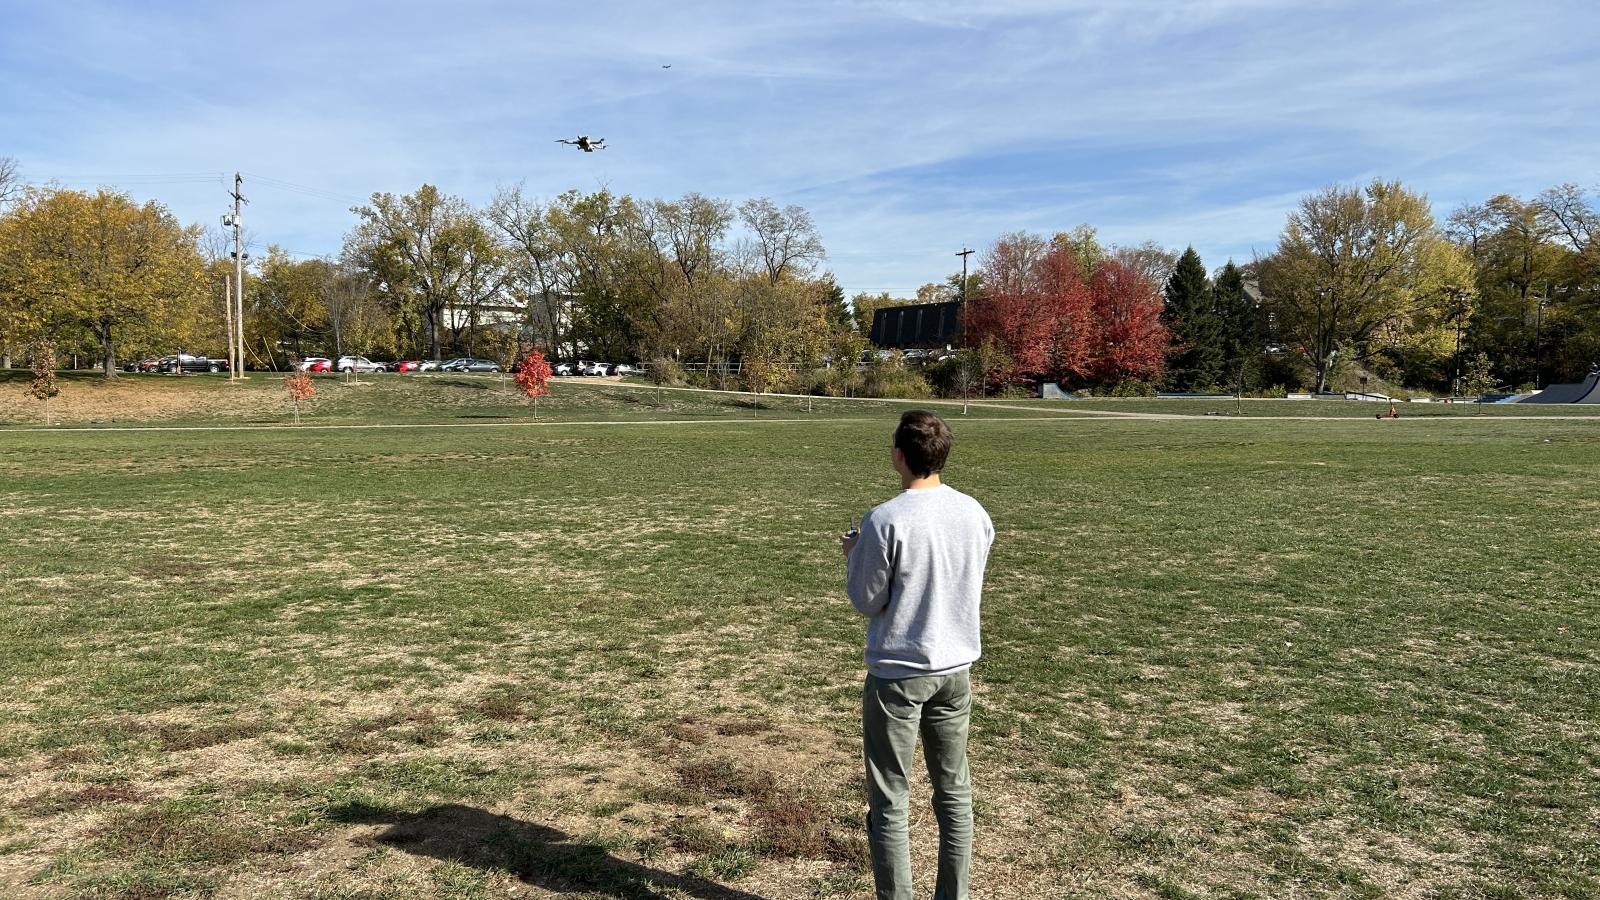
<point x="870" y="569"/>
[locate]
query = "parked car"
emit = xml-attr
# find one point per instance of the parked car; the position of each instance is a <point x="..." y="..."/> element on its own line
<point x="309" y="364"/>
<point x="429" y="365"/>
<point x="321" y="365"/>
<point x="517" y="366"/>
<point x="563" y="368"/>
<point x="408" y="365"/>
<point x="188" y="362"/>
<point x="148" y="364"/>
<point x="358" y="364"/>
<point x="466" y="364"/>
<point x="596" y="368"/>
<point x="626" y="369"/>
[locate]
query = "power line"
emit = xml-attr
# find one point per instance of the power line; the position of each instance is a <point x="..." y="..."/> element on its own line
<point x="123" y="175"/>
<point x="306" y="189"/>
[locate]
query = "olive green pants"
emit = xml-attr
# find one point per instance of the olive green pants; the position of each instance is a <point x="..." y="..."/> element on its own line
<point x="893" y="713"/>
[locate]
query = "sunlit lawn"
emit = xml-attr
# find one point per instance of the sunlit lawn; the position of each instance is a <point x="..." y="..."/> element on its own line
<point x="1222" y="658"/>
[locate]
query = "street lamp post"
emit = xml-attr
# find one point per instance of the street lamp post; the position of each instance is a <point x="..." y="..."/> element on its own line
<point x="1324" y="360"/>
<point x="1538" y="337"/>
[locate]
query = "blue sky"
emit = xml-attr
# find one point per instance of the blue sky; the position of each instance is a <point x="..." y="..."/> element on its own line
<point x="908" y="129"/>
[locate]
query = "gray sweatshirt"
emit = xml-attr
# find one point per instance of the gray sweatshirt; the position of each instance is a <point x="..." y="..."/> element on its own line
<point x="916" y="573"/>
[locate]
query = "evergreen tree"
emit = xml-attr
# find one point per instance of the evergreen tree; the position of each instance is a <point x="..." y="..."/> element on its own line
<point x="1197" y="334"/>
<point x="833" y="303"/>
<point x="1240" y="329"/>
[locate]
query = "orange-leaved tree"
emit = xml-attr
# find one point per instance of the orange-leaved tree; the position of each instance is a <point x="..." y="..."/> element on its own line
<point x="44" y="375"/>
<point x="533" y="378"/>
<point x="299" y="385"/>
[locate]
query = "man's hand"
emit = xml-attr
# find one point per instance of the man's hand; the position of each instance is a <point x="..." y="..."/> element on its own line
<point x="848" y="541"/>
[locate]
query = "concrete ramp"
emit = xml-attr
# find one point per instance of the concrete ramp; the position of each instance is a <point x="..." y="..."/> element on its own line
<point x="1586" y="391"/>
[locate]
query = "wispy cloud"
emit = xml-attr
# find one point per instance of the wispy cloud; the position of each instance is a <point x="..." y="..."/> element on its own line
<point x="908" y="128"/>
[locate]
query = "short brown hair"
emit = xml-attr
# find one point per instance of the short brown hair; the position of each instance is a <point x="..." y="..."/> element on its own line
<point x="925" y="440"/>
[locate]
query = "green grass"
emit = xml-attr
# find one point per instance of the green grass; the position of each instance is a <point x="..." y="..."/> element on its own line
<point x="1246" y="659"/>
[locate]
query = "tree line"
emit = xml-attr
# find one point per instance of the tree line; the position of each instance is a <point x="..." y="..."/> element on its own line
<point x="1364" y="283"/>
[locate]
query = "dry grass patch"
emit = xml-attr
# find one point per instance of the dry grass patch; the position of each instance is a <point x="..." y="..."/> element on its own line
<point x="722" y="777"/>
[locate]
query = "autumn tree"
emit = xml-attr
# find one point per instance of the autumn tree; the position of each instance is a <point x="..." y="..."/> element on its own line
<point x="1037" y="307"/>
<point x="1082" y="245"/>
<point x="538" y="267"/>
<point x="1129" y="340"/>
<point x="1351" y="261"/>
<point x="784" y="240"/>
<point x="1191" y="315"/>
<point x="677" y="259"/>
<point x="43" y="386"/>
<point x="97" y="261"/>
<point x="298" y="384"/>
<point x="533" y="378"/>
<point x="290" y="307"/>
<point x="593" y="229"/>
<point x="1155" y="262"/>
<point x="356" y="320"/>
<point x="10" y="181"/>
<point x="425" y="252"/>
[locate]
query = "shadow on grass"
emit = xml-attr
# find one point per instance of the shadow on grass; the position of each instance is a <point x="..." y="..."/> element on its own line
<point x="538" y="855"/>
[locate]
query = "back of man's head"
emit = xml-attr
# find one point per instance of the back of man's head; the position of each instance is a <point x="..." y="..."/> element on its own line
<point x="924" y="439"/>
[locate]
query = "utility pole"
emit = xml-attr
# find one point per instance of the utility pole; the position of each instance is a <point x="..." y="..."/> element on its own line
<point x="238" y="264"/>
<point x="964" y="254"/>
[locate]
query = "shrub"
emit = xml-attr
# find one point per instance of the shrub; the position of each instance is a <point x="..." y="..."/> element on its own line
<point x="1133" y="387"/>
<point x="664" y="370"/>
<point x="894" y="382"/>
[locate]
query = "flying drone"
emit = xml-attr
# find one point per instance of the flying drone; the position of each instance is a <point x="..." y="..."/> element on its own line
<point x="584" y="143"/>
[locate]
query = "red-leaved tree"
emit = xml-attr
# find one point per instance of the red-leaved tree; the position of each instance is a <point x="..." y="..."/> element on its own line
<point x="1037" y="309"/>
<point x="1131" y="341"/>
<point x="299" y="386"/>
<point x="533" y="378"/>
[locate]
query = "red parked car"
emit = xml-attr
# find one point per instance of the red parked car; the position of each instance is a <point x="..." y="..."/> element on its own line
<point x="408" y="365"/>
<point x="320" y="365"/>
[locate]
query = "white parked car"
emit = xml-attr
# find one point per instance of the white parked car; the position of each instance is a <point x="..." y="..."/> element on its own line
<point x="358" y="364"/>
<point x="596" y="368"/>
<point x="625" y="369"/>
<point x="561" y="369"/>
<point x="429" y="365"/>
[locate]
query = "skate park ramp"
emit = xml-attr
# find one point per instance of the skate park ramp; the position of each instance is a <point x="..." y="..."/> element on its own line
<point x="1586" y="391"/>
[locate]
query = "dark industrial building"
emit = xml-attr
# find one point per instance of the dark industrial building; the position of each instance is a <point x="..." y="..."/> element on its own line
<point x="919" y="325"/>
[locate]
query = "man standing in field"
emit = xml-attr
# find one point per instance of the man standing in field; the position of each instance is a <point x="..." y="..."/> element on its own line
<point x="915" y="570"/>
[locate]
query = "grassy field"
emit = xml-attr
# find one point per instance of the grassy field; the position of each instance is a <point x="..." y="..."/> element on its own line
<point x="1274" y="658"/>
<point x="87" y="400"/>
